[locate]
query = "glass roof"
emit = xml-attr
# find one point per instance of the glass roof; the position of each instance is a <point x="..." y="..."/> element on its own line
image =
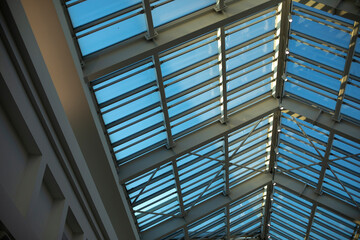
<point x="284" y="51"/>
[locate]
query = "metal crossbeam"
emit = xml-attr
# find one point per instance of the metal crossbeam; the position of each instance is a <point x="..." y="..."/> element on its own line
<point x="163" y="102"/>
<point x="197" y="139"/>
<point x="223" y="75"/>
<point x="325" y="200"/>
<point x="311" y="219"/>
<point x="203" y="209"/>
<point x="284" y="38"/>
<point x="345" y="76"/>
<point x="149" y="20"/>
<point x="110" y="61"/>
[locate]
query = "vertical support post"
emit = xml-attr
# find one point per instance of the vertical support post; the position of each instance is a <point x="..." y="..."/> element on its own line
<point x="151" y="33"/>
<point x="227" y="216"/>
<point x="163" y="103"/>
<point x="311" y="220"/>
<point x="267" y="213"/>
<point x="282" y="34"/>
<point x="178" y="188"/>
<point x="356" y="233"/>
<point x="345" y="77"/>
<point x="325" y="162"/>
<point x="186" y="232"/>
<point x="274" y="140"/>
<point x="222" y="78"/>
<point x="220" y="5"/>
<point x="226" y="165"/>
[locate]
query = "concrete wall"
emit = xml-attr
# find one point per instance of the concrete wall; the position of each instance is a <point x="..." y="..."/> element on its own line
<point x="47" y="190"/>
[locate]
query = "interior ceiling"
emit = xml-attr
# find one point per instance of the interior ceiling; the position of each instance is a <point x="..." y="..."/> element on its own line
<point x="235" y="123"/>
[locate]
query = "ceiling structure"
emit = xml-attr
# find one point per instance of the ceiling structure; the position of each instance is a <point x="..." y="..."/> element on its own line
<point x="235" y="119"/>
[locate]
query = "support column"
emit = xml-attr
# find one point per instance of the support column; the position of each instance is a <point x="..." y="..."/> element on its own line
<point x="283" y="38"/>
<point x="311" y="219"/>
<point x="226" y="165"/>
<point x="151" y="33"/>
<point x="163" y="103"/>
<point x="223" y="74"/>
<point x="267" y="208"/>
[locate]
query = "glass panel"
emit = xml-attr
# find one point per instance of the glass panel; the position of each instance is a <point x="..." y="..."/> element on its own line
<point x="289" y="216"/>
<point x="209" y="227"/>
<point x="301" y="148"/>
<point x="201" y="174"/>
<point x="166" y="11"/>
<point x="246" y="30"/>
<point x="318" y="48"/>
<point x="153" y="197"/>
<point x="327" y="225"/>
<point x="87" y="11"/>
<point x="191" y="79"/>
<point x="110" y="32"/>
<point x="130" y="107"/>
<point x="246" y="214"/>
<point x="250" y="59"/>
<point x="342" y="178"/>
<point x="248" y="150"/>
<point x="321" y="25"/>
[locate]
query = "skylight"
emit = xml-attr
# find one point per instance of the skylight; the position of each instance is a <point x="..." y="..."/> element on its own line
<point x="186" y="124"/>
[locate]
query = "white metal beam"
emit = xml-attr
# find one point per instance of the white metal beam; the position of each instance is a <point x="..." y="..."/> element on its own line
<point x="194" y="140"/>
<point x="325" y="200"/>
<point x="100" y="64"/>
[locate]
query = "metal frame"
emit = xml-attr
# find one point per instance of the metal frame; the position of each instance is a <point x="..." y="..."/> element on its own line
<point x="105" y="63"/>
